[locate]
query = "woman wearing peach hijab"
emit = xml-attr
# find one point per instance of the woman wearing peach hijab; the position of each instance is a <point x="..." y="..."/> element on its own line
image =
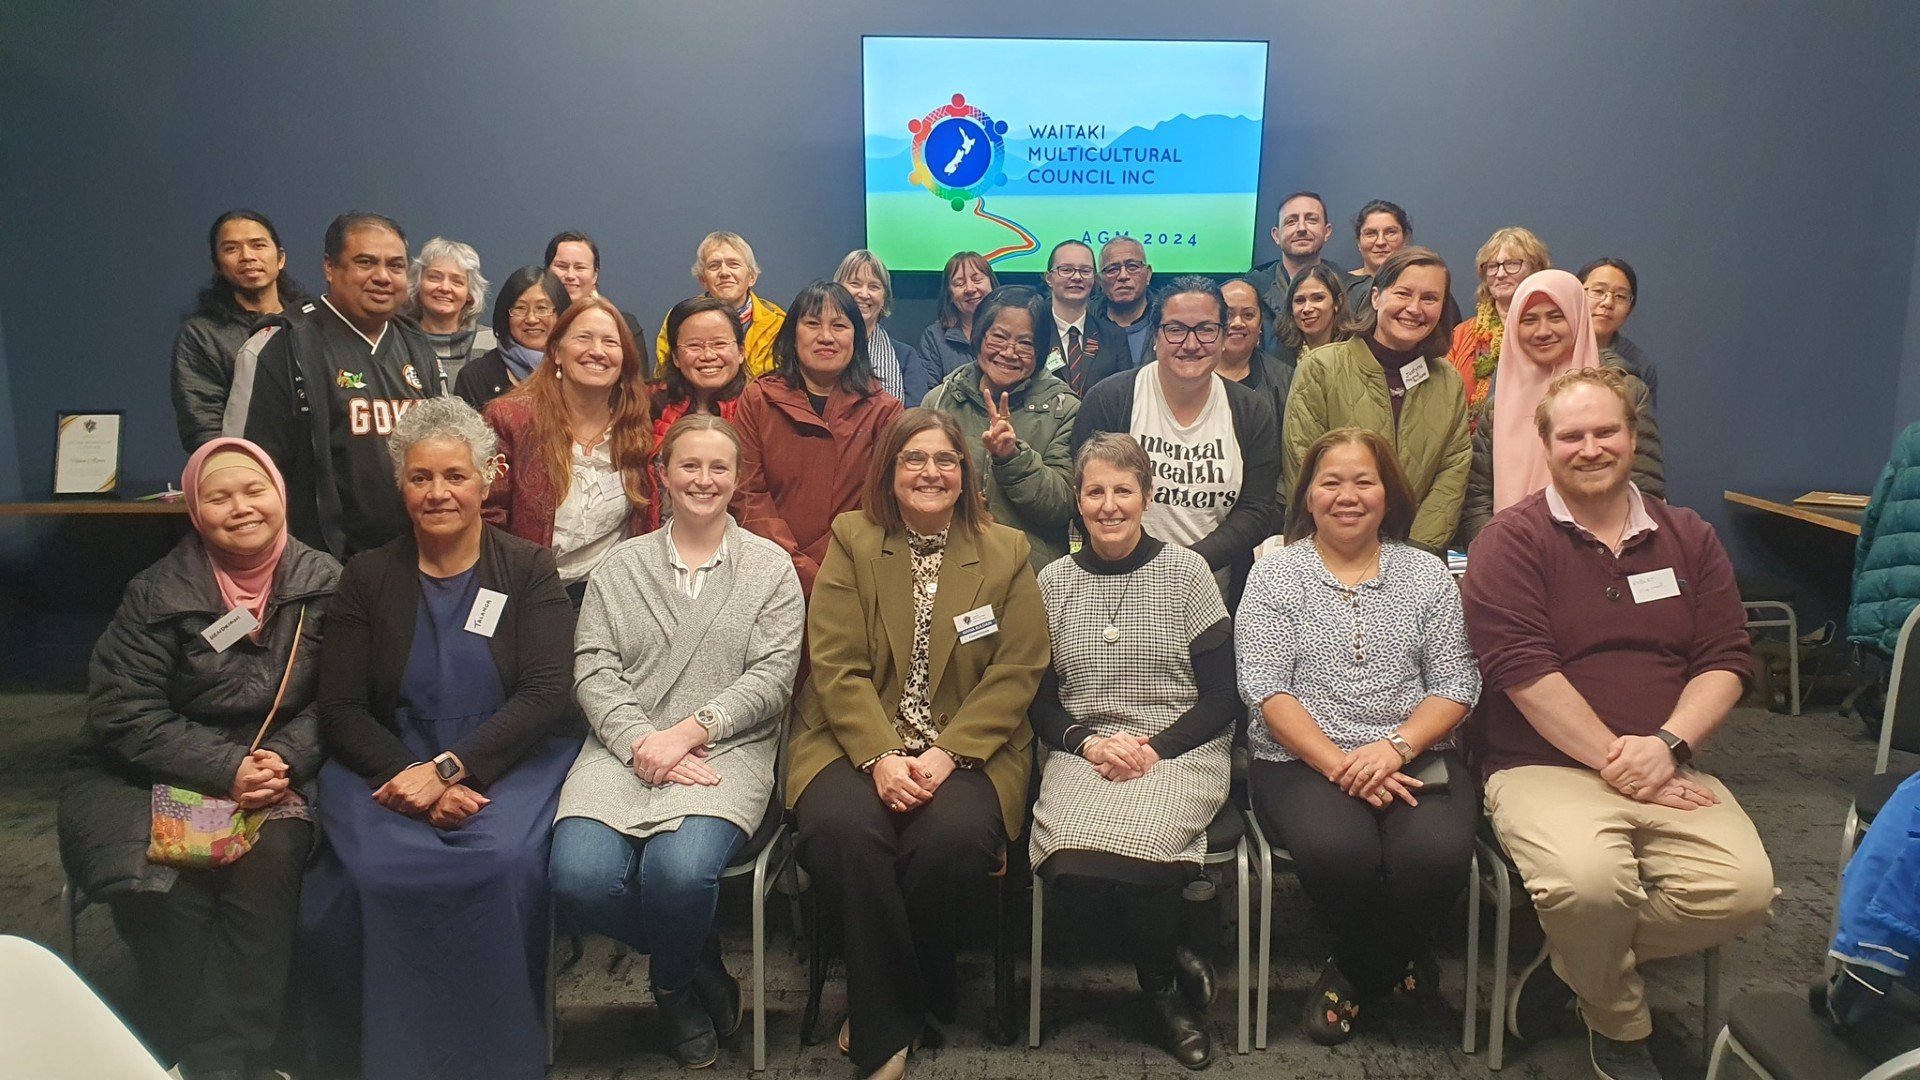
<point x="179" y="685"/>
<point x="1548" y="331"/>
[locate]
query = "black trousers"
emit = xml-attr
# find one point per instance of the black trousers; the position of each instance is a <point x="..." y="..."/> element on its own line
<point x="212" y="953"/>
<point x="1146" y="894"/>
<point x="1380" y="879"/>
<point x="899" y="883"/>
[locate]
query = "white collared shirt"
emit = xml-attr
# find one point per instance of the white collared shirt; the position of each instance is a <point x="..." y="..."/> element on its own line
<point x="690" y="580"/>
<point x="1638" y="520"/>
<point x="592" y="519"/>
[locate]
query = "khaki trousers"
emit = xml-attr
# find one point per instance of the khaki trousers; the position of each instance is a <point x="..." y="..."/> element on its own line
<point x="1617" y="881"/>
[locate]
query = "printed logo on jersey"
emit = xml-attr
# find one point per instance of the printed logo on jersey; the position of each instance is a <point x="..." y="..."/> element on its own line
<point x="376" y="416"/>
<point x="349" y="380"/>
<point x="412" y="377"/>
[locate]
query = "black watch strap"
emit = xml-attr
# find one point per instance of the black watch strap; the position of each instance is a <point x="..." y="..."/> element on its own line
<point x="1677" y="746"/>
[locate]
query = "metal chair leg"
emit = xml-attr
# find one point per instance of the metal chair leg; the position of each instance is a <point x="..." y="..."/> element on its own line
<point x="1719" y="1055"/>
<point x="1793" y="662"/>
<point x="1243" y="904"/>
<point x="1034" y="967"/>
<point x="1470" y="998"/>
<point x="1502" y="944"/>
<point x="1263" y="960"/>
<point x="762" y="882"/>
<point x="1710" y="1007"/>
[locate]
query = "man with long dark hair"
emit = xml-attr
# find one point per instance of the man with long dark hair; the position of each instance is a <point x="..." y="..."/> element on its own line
<point x="250" y="286"/>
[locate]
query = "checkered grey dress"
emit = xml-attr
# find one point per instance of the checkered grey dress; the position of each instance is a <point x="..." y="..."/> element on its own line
<point x="1139" y="683"/>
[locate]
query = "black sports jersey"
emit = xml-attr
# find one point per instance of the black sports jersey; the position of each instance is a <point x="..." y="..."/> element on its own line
<point x="322" y="402"/>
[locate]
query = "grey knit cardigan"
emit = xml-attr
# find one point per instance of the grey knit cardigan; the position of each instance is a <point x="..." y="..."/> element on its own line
<point x="646" y="656"/>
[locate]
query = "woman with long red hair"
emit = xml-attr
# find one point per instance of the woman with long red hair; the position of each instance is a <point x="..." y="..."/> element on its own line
<point x="576" y="443"/>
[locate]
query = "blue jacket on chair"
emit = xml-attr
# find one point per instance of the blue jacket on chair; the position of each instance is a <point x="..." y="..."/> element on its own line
<point x="1886" y="566"/>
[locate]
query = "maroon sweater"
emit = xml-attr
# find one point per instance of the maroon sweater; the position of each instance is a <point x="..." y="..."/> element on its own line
<point x="1537" y="601"/>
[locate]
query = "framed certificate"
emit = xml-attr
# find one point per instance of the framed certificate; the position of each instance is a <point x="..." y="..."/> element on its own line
<point x="86" y="454"/>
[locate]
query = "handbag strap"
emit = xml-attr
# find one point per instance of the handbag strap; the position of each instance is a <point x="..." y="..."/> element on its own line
<point x="285" y="678"/>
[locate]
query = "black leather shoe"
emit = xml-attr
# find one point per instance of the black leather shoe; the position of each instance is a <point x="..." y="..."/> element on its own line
<point x="690" y="1035"/>
<point x="1195" y="976"/>
<point x="719" y="992"/>
<point x="1184" y="1030"/>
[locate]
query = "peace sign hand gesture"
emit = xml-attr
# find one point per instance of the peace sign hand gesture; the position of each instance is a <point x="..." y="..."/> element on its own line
<point x="999" y="438"/>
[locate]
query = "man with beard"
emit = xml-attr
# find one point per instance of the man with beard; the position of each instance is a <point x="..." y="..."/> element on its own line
<point x="1302" y="229"/>
<point x="250" y="284"/>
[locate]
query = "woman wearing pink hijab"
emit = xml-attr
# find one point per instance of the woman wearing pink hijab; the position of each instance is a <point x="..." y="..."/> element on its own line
<point x="1549" y="330"/>
<point x="178" y="687"/>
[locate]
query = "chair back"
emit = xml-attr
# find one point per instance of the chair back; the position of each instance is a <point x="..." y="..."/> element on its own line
<point x="1900" y="726"/>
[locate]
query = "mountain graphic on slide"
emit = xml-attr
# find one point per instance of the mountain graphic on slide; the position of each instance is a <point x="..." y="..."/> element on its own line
<point x="1218" y="154"/>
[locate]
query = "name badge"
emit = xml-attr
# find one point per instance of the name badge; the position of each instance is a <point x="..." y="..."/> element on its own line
<point x="486" y="612"/>
<point x="1653" y="585"/>
<point x="976" y="624"/>
<point x="612" y="487"/>
<point x="229" y="628"/>
<point x="1415" y="372"/>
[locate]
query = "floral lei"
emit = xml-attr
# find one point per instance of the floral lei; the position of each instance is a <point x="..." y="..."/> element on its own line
<point x="1488" y="329"/>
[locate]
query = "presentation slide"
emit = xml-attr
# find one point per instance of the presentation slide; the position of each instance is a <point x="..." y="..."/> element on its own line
<point x="1007" y="146"/>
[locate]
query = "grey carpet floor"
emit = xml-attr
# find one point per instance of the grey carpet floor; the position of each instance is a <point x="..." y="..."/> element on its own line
<point x="1791" y="773"/>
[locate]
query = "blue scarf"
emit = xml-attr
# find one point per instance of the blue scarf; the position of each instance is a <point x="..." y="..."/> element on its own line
<point x="520" y="360"/>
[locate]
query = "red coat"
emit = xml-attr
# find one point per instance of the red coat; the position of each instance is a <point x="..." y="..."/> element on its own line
<point x="678" y="409"/>
<point x="522" y="500"/>
<point x="797" y="470"/>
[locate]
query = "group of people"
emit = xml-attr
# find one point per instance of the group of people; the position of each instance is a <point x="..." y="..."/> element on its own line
<point x="600" y="606"/>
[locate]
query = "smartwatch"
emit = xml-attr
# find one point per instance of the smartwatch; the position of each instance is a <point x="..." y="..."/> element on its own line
<point x="1677" y="746"/>
<point x="448" y="768"/>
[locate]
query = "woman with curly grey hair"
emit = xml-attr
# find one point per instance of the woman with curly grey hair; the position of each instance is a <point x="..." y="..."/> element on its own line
<point x="445" y="295"/>
<point x="445" y="690"/>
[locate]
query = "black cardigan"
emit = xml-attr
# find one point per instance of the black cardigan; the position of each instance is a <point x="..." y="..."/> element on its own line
<point x="370" y="633"/>
<point x="1109" y="407"/>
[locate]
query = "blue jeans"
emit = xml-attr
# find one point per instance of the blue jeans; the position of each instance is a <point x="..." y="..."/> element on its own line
<point x="656" y="895"/>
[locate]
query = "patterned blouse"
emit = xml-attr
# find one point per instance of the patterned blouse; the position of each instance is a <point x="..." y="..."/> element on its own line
<point x="1358" y="659"/>
<point x="914" y="720"/>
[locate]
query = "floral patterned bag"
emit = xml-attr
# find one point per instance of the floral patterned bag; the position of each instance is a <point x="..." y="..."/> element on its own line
<point x="196" y="831"/>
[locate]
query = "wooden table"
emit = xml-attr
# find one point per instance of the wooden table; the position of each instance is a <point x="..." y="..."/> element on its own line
<point x="1781" y="503"/>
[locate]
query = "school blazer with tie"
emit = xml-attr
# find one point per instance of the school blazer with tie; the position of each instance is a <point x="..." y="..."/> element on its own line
<point x="860" y="642"/>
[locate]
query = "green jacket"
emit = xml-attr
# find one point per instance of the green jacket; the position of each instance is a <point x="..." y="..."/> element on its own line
<point x="1341" y="385"/>
<point x="1033" y="490"/>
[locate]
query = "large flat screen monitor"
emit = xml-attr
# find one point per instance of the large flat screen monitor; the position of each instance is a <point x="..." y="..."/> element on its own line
<point x="1006" y="146"/>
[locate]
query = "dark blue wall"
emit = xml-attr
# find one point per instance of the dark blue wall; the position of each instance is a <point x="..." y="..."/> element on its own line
<point x="1763" y="173"/>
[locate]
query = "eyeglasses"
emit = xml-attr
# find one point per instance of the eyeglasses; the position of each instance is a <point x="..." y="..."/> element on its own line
<point x="1177" y="333"/>
<point x="1071" y="272"/>
<point x="1114" y="270"/>
<point x="1007" y="343"/>
<point x="538" y="311"/>
<point x="1618" y="296"/>
<point x="1504" y="266"/>
<point x="944" y="460"/>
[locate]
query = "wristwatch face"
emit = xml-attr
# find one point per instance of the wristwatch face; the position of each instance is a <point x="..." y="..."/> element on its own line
<point x="707" y="717"/>
<point x="446" y="767"/>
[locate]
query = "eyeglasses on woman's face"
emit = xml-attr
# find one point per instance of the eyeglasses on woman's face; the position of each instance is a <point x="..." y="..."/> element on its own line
<point x="1177" y="333"/>
<point x="944" y="460"/>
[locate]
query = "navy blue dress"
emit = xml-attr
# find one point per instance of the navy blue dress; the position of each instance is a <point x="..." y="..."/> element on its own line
<point x="432" y="943"/>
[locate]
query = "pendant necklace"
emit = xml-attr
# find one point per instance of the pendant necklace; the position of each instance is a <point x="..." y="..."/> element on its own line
<point x="1112" y="633"/>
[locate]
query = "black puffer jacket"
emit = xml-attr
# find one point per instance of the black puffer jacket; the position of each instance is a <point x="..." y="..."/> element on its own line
<point x="163" y="707"/>
<point x="203" y="359"/>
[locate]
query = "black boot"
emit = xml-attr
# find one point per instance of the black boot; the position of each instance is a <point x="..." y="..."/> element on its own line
<point x="1195" y="976"/>
<point x="690" y="1036"/>
<point x="1183" y="1029"/>
<point x="718" y="990"/>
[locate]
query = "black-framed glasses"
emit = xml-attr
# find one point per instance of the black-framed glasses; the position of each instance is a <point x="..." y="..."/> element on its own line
<point x="1177" y="333"/>
<point x="944" y="460"/>
<point x="1503" y="266"/>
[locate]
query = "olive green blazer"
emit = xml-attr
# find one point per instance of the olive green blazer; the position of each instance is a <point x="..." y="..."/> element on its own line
<point x="860" y="641"/>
